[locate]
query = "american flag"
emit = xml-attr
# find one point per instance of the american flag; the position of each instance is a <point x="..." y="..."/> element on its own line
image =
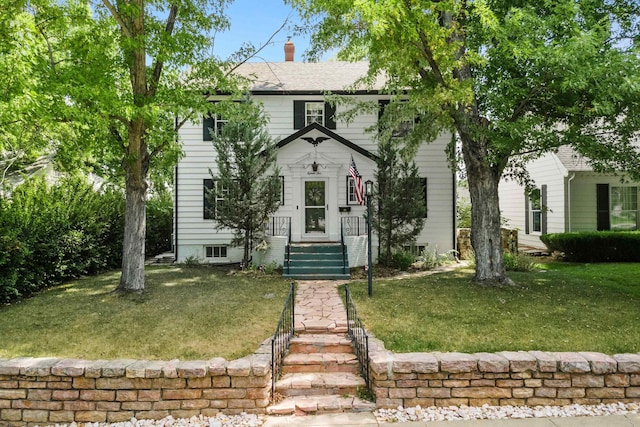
<point x="357" y="181"/>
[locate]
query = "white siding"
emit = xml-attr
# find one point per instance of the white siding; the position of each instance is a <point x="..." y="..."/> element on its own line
<point x="548" y="171"/>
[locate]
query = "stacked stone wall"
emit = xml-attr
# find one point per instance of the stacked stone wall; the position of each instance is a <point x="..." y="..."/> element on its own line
<point x="41" y="391"/>
<point x="507" y="378"/>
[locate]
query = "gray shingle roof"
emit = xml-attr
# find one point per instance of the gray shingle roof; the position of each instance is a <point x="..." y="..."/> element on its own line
<point x="305" y="76"/>
<point x="572" y="160"/>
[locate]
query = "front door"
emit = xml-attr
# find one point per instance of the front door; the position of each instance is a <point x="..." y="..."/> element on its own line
<point x="315" y="220"/>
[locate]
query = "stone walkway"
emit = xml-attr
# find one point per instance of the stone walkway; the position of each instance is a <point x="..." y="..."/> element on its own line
<point x="320" y="372"/>
<point x="319" y="307"/>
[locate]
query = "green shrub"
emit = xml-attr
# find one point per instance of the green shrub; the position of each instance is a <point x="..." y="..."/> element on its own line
<point x="159" y="224"/>
<point x="51" y="233"/>
<point x="596" y="246"/>
<point x="519" y="262"/>
<point x="402" y="260"/>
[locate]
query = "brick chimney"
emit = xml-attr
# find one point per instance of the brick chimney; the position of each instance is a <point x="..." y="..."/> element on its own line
<point x="289" y="50"/>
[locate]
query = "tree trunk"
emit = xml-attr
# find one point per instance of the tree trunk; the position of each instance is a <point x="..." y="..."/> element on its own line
<point x="136" y="166"/>
<point x="486" y="237"/>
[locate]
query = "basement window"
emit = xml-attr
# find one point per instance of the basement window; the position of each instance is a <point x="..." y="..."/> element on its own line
<point x="216" y="251"/>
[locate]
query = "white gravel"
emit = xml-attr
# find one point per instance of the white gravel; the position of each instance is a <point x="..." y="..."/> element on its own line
<point x="487" y="412"/>
<point x="399" y="415"/>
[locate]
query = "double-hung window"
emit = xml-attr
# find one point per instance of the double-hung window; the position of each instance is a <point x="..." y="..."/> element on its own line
<point x="535" y="211"/>
<point x="212" y="200"/>
<point x="313" y="113"/>
<point x="306" y="113"/>
<point x="623" y="212"/>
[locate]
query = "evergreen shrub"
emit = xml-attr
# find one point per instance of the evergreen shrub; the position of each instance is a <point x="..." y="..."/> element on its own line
<point x="595" y="246"/>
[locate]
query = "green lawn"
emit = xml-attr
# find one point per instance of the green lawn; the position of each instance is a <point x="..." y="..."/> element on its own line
<point x="186" y="313"/>
<point x="561" y="307"/>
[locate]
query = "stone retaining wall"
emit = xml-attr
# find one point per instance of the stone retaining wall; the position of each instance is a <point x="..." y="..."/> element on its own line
<point x="41" y="391"/>
<point x="507" y="378"/>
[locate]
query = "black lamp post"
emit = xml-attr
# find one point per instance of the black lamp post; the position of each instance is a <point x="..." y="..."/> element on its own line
<point x="368" y="191"/>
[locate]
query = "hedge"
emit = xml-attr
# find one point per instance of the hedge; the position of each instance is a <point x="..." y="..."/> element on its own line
<point x="53" y="233"/>
<point x="596" y="246"/>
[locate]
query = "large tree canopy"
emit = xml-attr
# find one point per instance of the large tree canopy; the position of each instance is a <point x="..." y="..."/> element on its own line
<point x="512" y="79"/>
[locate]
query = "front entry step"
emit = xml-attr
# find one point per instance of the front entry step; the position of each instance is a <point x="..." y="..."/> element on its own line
<point x="317" y="261"/>
<point x="319" y="383"/>
<point x="311" y="405"/>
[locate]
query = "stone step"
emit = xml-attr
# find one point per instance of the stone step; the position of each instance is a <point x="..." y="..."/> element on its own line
<point x="308" y="343"/>
<point x="320" y="327"/>
<point x="319" y="383"/>
<point x="321" y="362"/>
<point x="310" y="405"/>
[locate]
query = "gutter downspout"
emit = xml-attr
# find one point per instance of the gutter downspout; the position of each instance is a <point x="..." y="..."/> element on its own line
<point x="455" y="214"/>
<point x="569" y="201"/>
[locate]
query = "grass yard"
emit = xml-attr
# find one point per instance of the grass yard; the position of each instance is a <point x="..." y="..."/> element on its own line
<point x="185" y="313"/>
<point x="561" y="307"/>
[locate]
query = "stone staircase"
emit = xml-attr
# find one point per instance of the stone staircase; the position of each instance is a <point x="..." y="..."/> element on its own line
<point x="316" y="261"/>
<point x="321" y="372"/>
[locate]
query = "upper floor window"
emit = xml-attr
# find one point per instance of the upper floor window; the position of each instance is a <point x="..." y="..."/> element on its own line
<point x="403" y="128"/>
<point x="313" y="113"/>
<point x="211" y="203"/>
<point x="309" y="112"/>
<point x="212" y="124"/>
<point x="623" y="211"/>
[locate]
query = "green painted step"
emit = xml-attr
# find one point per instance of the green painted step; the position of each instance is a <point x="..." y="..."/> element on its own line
<point x="309" y="261"/>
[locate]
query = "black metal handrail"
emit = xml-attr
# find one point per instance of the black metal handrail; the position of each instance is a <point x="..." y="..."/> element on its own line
<point x="282" y="337"/>
<point x="278" y="226"/>
<point x="288" y="251"/>
<point x="354" y="225"/>
<point x="359" y="338"/>
<point x="344" y="250"/>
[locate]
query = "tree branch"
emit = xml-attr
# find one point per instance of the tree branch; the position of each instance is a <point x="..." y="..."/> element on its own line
<point x="254" y="54"/>
<point x="118" y="18"/>
<point x="157" y="67"/>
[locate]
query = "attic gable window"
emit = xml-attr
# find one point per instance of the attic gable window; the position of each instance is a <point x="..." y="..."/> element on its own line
<point x="306" y="113"/>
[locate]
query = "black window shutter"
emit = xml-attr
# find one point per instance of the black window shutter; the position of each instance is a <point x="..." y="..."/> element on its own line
<point x="424" y="196"/>
<point x="526" y="213"/>
<point x="298" y="114"/>
<point x="207" y="125"/>
<point x="602" y="207"/>
<point x="329" y="116"/>
<point x="207" y="187"/>
<point x="543" y="207"/>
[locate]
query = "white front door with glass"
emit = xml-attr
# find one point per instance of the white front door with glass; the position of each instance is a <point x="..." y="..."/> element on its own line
<point x="315" y="220"/>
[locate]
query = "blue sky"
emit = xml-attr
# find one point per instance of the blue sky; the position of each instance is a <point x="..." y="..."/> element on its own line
<point x="256" y="21"/>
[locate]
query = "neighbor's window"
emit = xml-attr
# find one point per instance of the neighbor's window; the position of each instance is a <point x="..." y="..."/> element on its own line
<point x="624" y="208"/>
<point x="216" y="251"/>
<point x="313" y="113"/>
<point x="535" y="211"/>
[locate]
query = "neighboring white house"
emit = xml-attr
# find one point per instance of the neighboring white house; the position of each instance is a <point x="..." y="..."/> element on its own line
<point x="572" y="197"/>
<point x="314" y="153"/>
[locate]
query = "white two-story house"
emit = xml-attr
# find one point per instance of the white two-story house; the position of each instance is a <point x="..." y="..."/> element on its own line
<point x="318" y="200"/>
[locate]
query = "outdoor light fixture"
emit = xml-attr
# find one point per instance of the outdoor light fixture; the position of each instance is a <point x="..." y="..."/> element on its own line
<point x="314" y="166"/>
<point x="368" y="191"/>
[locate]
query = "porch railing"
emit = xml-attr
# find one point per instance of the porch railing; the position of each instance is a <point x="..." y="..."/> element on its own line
<point x="345" y="259"/>
<point x="278" y="226"/>
<point x="282" y="337"/>
<point x="354" y="225"/>
<point x="359" y="338"/>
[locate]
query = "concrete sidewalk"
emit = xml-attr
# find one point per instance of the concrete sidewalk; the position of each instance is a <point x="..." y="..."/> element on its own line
<point x="369" y="420"/>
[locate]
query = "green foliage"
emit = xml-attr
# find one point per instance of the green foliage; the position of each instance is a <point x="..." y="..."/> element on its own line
<point x="431" y="258"/>
<point x="247" y="177"/>
<point x="596" y="246"/>
<point x="159" y="223"/>
<point x="398" y="211"/>
<point x="519" y="262"/>
<point x="512" y="79"/>
<point x="52" y="233"/>
<point x="463" y="213"/>
<point x="402" y="260"/>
